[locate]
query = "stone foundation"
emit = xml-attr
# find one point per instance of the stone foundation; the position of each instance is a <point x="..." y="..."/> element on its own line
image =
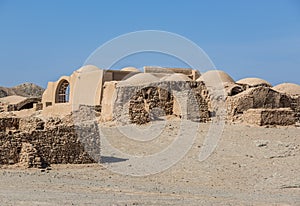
<point x="261" y="117"/>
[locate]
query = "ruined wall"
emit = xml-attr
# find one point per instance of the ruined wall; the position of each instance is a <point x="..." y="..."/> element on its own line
<point x="146" y="100"/>
<point x="295" y="105"/>
<point x="258" y="97"/>
<point x="140" y="104"/>
<point x="261" y="117"/>
<point x="9" y="124"/>
<point x="42" y="143"/>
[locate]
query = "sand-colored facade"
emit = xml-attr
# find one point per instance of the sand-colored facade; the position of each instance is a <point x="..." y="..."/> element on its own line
<point x="131" y="96"/>
<point x="92" y="86"/>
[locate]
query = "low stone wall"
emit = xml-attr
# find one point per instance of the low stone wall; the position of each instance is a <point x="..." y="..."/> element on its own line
<point x="295" y="105"/>
<point x="261" y="117"/>
<point x="50" y="144"/>
<point x="9" y="123"/>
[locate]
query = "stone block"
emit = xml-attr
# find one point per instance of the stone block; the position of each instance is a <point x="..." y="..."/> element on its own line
<point x="261" y="117"/>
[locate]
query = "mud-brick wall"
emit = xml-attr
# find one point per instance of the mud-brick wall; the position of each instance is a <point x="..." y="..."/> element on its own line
<point x="198" y="102"/>
<point x="141" y="104"/>
<point x="150" y="103"/>
<point x="9" y="123"/>
<point x="254" y="98"/>
<point x="58" y="144"/>
<point x="295" y="105"/>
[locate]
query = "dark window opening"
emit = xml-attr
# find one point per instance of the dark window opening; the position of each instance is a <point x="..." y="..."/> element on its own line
<point x="63" y="92"/>
<point x="27" y="106"/>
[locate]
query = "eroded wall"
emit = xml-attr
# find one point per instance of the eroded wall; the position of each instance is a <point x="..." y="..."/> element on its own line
<point x="50" y="142"/>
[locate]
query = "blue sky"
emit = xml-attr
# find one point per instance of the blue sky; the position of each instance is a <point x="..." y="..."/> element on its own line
<point x="43" y="40"/>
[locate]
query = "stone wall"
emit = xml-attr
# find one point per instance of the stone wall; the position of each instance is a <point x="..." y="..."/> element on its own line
<point x="141" y="104"/>
<point x="261" y="117"/>
<point x="43" y="143"/>
<point x="295" y="105"/>
<point x="254" y="98"/>
<point x="8" y="124"/>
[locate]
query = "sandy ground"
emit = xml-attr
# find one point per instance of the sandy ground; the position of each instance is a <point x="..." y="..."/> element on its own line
<point x="250" y="166"/>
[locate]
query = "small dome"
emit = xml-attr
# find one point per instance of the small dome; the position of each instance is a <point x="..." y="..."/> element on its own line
<point x="139" y="79"/>
<point x="87" y="68"/>
<point x="288" y="88"/>
<point x="215" y="79"/>
<point x="176" y="77"/>
<point x="130" y="69"/>
<point x="254" y="82"/>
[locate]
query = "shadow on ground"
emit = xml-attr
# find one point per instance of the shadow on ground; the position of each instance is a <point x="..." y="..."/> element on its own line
<point x="106" y="159"/>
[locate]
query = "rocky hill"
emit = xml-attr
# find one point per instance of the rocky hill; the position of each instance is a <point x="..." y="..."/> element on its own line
<point x="25" y="90"/>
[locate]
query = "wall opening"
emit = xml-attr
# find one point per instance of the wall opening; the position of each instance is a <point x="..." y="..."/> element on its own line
<point x="63" y="92"/>
<point x="27" y="106"/>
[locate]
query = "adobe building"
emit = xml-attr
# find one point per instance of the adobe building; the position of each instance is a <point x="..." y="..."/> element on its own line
<point x="91" y="86"/>
<point x="131" y="96"/>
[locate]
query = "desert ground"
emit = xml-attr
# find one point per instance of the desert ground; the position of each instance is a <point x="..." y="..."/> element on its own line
<point x="250" y="166"/>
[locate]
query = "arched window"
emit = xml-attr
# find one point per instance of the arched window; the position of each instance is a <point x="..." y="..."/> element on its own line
<point x="62" y="92"/>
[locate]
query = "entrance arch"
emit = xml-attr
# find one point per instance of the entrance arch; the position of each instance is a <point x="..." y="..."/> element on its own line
<point x="62" y="92"/>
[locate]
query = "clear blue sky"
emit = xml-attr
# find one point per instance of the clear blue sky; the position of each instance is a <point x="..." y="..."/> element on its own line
<point x="43" y="40"/>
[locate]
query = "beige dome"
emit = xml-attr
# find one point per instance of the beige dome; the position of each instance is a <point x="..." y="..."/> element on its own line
<point x="288" y="88"/>
<point x="130" y="69"/>
<point x="139" y="79"/>
<point x="254" y="82"/>
<point x="215" y="76"/>
<point x="87" y="68"/>
<point x="176" y="77"/>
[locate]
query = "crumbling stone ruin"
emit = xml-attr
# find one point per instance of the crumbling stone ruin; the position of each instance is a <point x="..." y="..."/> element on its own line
<point x="141" y="104"/>
<point x="62" y="127"/>
<point x="34" y="142"/>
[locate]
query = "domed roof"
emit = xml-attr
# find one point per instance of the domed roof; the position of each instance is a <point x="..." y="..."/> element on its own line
<point x="254" y="82"/>
<point x="130" y="69"/>
<point x="139" y="79"/>
<point x="288" y="88"/>
<point x="215" y="76"/>
<point x="87" y="68"/>
<point x="176" y="77"/>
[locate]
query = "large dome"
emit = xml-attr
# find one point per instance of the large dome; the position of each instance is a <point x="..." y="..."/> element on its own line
<point x="254" y="82"/>
<point x="215" y="76"/>
<point x="130" y="69"/>
<point x="139" y="79"/>
<point x="176" y="77"/>
<point x="288" y="88"/>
